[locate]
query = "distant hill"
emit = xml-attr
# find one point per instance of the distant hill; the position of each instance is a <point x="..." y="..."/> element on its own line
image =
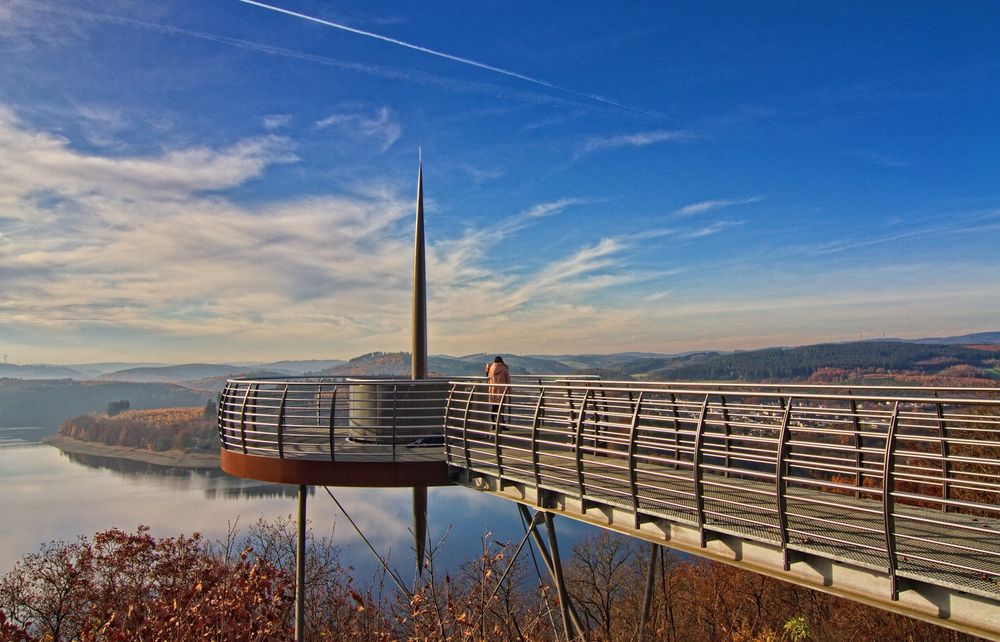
<point x="519" y="364"/>
<point x="47" y="403"/>
<point x="397" y="364"/>
<point x="174" y="374"/>
<point x="803" y="362"/>
<point x="293" y="367"/>
<point x="95" y="370"/>
<point x="965" y="339"/>
<point x="39" y="371"/>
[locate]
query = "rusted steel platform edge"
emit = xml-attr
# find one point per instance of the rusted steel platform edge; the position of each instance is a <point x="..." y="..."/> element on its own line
<point x="953" y="609"/>
<point x="364" y="474"/>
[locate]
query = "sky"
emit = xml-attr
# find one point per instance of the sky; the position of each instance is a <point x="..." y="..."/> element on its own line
<point x="235" y="181"/>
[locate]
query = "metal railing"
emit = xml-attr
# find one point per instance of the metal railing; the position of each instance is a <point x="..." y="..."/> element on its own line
<point x="905" y="481"/>
<point x="346" y="418"/>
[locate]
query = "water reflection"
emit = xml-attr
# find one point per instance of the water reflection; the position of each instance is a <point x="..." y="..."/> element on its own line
<point x="21" y="435"/>
<point x="213" y="483"/>
<point x="58" y="496"/>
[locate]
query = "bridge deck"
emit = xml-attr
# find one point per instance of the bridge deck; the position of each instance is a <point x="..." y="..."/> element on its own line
<point x="890" y="498"/>
<point x="933" y="547"/>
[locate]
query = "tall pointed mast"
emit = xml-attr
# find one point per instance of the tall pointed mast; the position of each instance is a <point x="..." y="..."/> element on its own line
<point x="419" y="343"/>
<point x="418" y="355"/>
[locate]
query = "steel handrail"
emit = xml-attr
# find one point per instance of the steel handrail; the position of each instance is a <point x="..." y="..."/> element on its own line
<point x="824" y="469"/>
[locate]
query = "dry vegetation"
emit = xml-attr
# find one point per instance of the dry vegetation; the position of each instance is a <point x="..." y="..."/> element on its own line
<point x="157" y="430"/>
<point x="121" y="586"/>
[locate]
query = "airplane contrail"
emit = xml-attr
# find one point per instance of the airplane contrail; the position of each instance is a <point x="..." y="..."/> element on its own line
<point x="453" y="58"/>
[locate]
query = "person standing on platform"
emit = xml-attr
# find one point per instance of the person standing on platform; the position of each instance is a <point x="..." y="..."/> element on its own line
<point x="498" y="376"/>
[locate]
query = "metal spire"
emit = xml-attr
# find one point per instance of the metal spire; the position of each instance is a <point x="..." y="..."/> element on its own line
<point x="418" y="354"/>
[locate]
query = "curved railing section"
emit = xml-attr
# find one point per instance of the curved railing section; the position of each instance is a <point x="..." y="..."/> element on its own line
<point x="326" y="418"/>
<point x="902" y="481"/>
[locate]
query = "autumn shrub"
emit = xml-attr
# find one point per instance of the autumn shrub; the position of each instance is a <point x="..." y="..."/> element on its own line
<point x="131" y="586"/>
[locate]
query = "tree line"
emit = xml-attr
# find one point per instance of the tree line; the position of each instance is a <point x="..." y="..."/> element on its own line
<point x="157" y="430"/>
<point x="119" y="586"/>
<point x="802" y="362"/>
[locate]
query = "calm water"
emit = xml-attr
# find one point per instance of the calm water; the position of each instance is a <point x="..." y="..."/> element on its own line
<point x="48" y="495"/>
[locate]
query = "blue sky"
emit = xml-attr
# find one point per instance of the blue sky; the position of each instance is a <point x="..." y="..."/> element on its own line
<point x="193" y="181"/>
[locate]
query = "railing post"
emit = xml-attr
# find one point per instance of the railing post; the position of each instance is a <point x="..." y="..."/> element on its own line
<point x="677" y="431"/>
<point x="465" y="427"/>
<point x="726" y="431"/>
<point x="496" y="434"/>
<point x="579" y="443"/>
<point x="281" y="423"/>
<point x="535" y="421"/>
<point x="698" y="457"/>
<point x="333" y="425"/>
<point x="888" y="504"/>
<point x="243" y="417"/>
<point x="780" y="483"/>
<point x="858" y="443"/>
<point x="218" y="415"/>
<point x="633" y="476"/>
<point x="395" y="393"/>
<point x="945" y="453"/>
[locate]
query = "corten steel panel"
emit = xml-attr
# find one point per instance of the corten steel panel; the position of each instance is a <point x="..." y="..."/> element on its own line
<point x="327" y="473"/>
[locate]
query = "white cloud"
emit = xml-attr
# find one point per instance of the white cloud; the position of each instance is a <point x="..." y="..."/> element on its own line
<point x="276" y="121"/>
<point x="380" y="127"/>
<point x="640" y="139"/>
<point x="707" y="206"/>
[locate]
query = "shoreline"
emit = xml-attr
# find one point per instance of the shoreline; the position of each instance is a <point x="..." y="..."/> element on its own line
<point x="169" y="458"/>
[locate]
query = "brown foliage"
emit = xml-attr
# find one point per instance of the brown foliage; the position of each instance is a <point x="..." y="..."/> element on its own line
<point x="126" y="586"/>
<point x="157" y="430"/>
<point x="122" y="586"/>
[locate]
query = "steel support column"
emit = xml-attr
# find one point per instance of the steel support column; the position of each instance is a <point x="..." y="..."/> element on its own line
<point x="300" y="568"/>
<point x="647" y="598"/>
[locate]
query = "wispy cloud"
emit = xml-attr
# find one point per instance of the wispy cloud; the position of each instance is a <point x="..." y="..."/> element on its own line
<point x="639" y="139"/>
<point x="380" y="126"/>
<point x="711" y="230"/>
<point x="272" y="122"/>
<point x="707" y="206"/>
<point x="882" y="159"/>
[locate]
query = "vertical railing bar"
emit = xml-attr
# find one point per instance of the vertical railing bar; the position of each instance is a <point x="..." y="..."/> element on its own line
<point x="319" y="404"/>
<point x="465" y="426"/>
<point x="333" y="415"/>
<point x="698" y="458"/>
<point x="858" y="444"/>
<point x="223" y="401"/>
<point x="727" y="432"/>
<point x="496" y="431"/>
<point x="633" y="475"/>
<point x="677" y="431"/>
<point x="579" y="443"/>
<point x="888" y="504"/>
<point x="599" y="418"/>
<point x="444" y="427"/>
<point x="781" y="484"/>
<point x="535" y="455"/>
<point x="243" y="417"/>
<point x="281" y="423"/>
<point x="395" y="393"/>
<point x="945" y="453"/>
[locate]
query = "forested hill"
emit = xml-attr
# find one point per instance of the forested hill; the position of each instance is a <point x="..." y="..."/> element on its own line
<point x="156" y="430"/>
<point x="25" y="402"/>
<point x="805" y="361"/>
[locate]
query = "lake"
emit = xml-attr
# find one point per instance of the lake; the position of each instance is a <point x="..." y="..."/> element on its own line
<point x="48" y="495"/>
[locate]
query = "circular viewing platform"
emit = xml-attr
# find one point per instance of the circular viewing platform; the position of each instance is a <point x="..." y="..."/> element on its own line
<point x="335" y="431"/>
<point x="339" y="431"/>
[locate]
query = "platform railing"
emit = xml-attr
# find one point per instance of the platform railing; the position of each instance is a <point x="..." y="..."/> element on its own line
<point x="902" y="480"/>
<point x="326" y="418"/>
